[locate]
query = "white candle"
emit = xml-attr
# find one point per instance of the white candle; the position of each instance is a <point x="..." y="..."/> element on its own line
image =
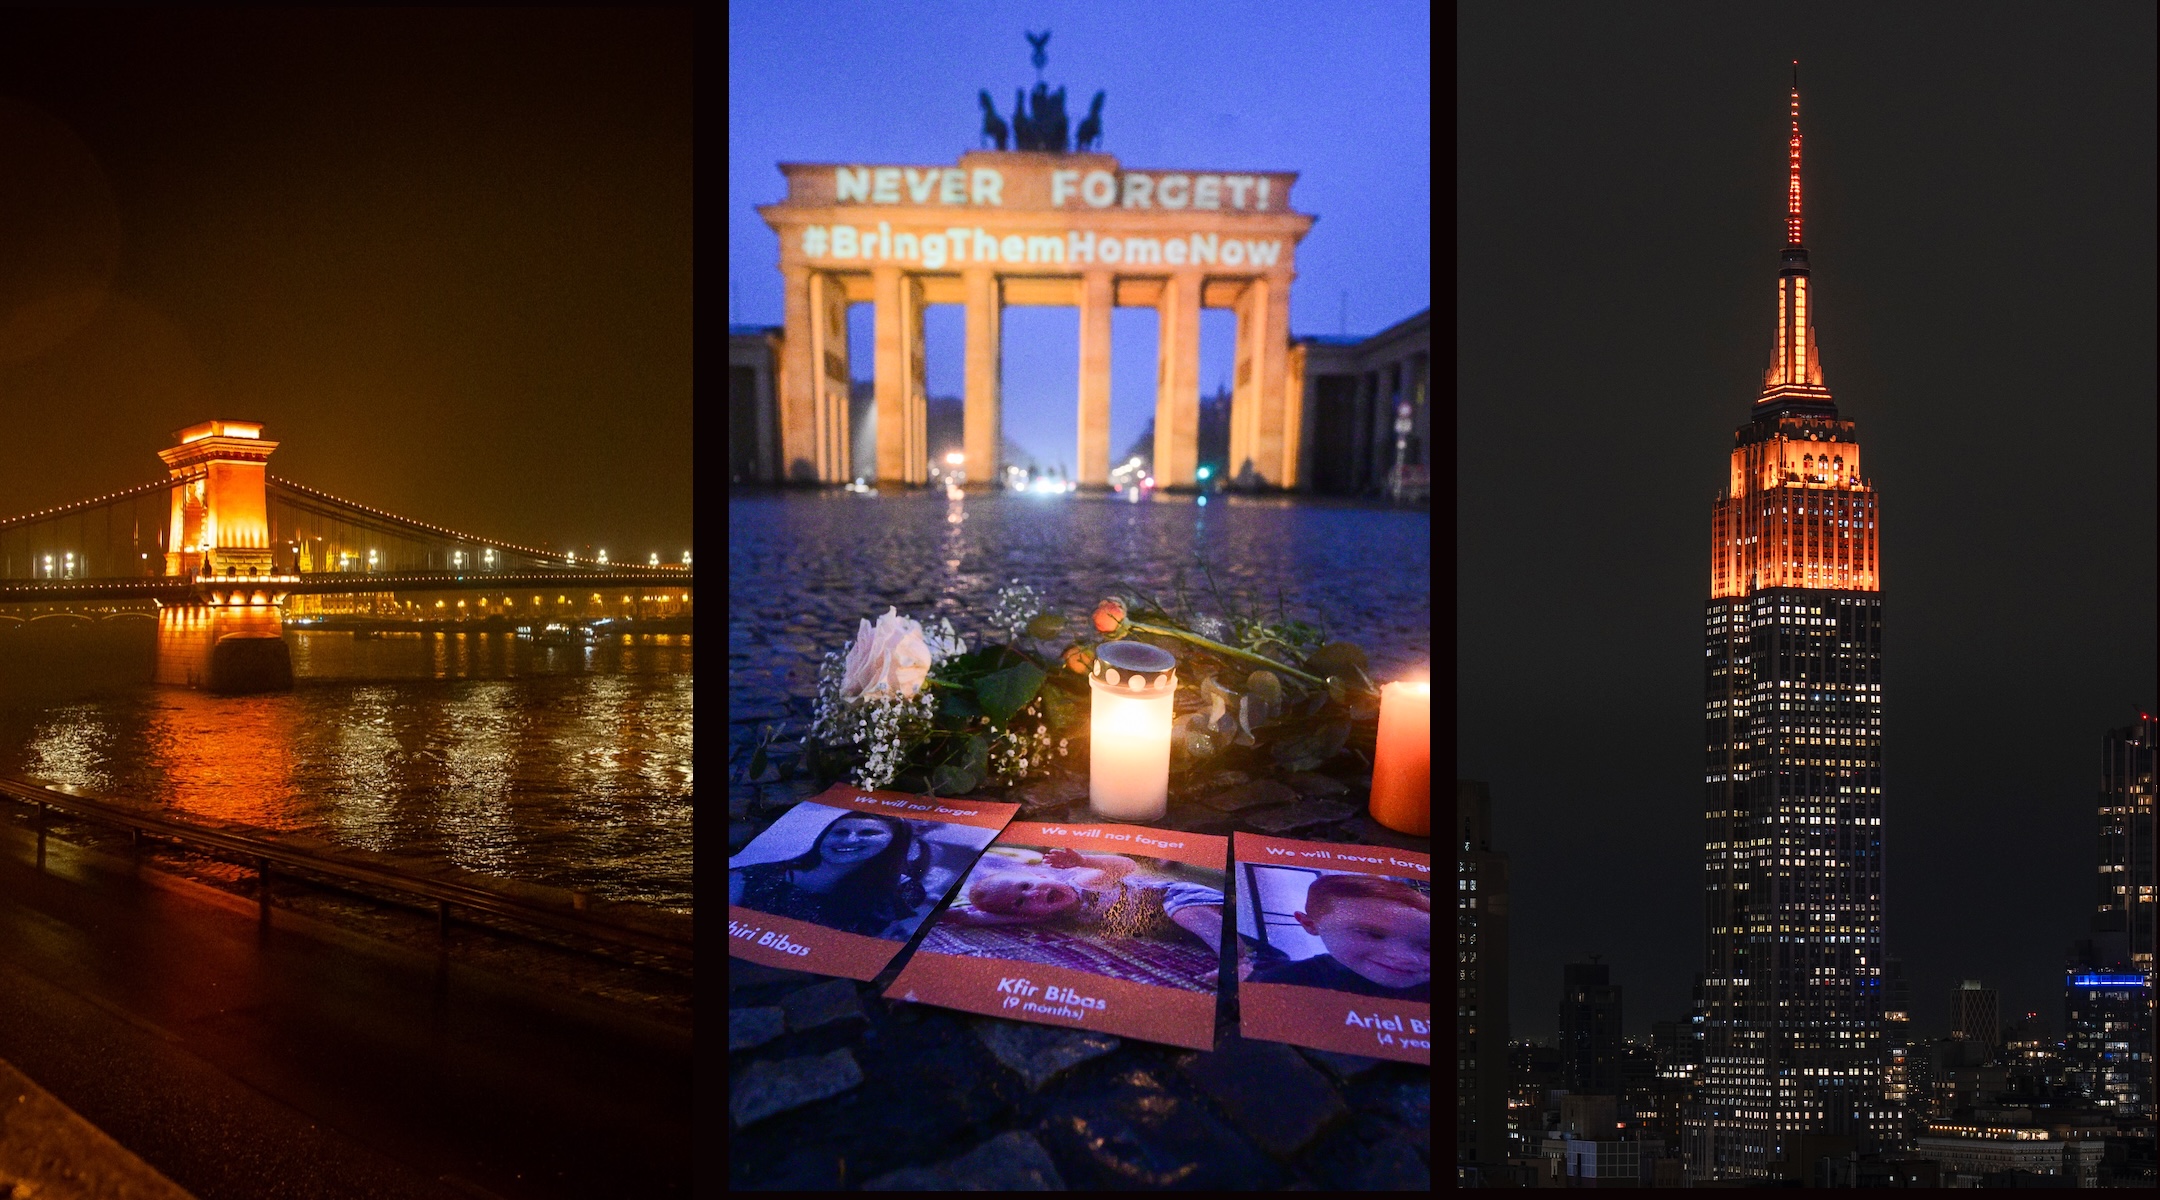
<point x="1133" y="686"/>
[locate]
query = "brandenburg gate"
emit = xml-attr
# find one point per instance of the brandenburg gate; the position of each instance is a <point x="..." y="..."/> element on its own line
<point x="1032" y="227"/>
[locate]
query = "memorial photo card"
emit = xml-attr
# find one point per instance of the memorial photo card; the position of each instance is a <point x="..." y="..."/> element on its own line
<point x="1116" y="928"/>
<point x="1335" y="946"/>
<point x="840" y="883"/>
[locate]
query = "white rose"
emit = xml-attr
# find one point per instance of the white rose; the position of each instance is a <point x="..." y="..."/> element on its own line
<point x="891" y="656"/>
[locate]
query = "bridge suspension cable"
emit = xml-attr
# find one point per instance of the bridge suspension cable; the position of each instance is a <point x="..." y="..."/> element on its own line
<point x="61" y="510"/>
<point x="408" y="522"/>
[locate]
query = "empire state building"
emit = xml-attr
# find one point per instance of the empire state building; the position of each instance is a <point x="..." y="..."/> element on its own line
<point x="1793" y="879"/>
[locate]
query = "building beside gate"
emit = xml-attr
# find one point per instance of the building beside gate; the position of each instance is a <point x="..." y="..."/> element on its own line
<point x="1367" y="410"/>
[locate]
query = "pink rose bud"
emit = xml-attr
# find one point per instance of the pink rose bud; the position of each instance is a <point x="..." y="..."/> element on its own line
<point x="1109" y="615"/>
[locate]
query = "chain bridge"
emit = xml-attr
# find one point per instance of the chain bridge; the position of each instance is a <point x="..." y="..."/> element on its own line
<point x="222" y="554"/>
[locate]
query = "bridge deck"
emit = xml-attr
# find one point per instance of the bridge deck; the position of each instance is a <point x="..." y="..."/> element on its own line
<point x="173" y="590"/>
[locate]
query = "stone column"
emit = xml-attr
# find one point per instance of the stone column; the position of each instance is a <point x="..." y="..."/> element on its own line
<point x="900" y="405"/>
<point x="918" y="385"/>
<point x="801" y="382"/>
<point x="1177" y="383"/>
<point x="1097" y="297"/>
<point x="1297" y="425"/>
<point x="1275" y="439"/>
<point x="1244" y="468"/>
<point x="984" y="417"/>
<point x="830" y="346"/>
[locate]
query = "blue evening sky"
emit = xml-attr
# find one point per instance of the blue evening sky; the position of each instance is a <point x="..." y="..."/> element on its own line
<point x="1341" y="93"/>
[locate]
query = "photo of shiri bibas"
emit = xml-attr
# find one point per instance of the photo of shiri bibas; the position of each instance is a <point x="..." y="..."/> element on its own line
<point x="843" y="881"/>
<point x="874" y="874"/>
<point x="1122" y="916"/>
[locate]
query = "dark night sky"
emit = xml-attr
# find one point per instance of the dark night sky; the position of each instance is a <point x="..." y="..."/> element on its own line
<point x="445" y="255"/>
<point x="1980" y="200"/>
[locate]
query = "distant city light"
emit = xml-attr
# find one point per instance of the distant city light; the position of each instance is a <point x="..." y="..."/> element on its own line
<point x="1204" y="472"/>
<point x="2107" y="981"/>
<point x="955" y="458"/>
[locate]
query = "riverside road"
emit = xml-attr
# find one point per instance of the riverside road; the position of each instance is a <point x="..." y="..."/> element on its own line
<point x="251" y="1062"/>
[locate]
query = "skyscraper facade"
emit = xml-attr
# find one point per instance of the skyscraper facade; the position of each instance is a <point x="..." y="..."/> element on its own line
<point x="1481" y="1044"/>
<point x="2108" y="994"/>
<point x="1976" y="1014"/>
<point x="1793" y="669"/>
<point x="1591" y="1049"/>
<point x="2126" y="842"/>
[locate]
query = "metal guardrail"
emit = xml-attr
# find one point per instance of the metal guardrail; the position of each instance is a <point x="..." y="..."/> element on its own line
<point x="264" y="853"/>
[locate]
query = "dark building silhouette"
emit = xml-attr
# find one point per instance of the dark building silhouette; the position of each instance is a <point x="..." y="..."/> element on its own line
<point x="1975" y="1014"/>
<point x="1591" y="1049"/>
<point x="1214" y="438"/>
<point x="1793" y="776"/>
<point x="1481" y="982"/>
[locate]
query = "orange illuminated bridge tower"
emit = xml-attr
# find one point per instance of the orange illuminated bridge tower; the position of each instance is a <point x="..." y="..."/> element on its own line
<point x="220" y="507"/>
<point x="1793" y="883"/>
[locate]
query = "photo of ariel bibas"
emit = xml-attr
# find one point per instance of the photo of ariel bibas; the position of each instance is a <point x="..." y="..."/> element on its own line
<point x="1335" y="946"/>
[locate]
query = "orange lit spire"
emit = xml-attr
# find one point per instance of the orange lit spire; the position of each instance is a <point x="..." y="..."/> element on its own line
<point x="1795" y="374"/>
<point x="1797" y="511"/>
<point x="1792" y="188"/>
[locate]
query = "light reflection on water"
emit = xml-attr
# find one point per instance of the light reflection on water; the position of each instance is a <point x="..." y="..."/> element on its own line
<point x="561" y="765"/>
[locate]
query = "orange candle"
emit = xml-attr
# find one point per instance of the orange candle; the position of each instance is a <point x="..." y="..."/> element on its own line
<point x="1402" y="759"/>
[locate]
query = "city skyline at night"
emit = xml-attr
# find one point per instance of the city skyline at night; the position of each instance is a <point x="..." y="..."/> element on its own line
<point x="1977" y="208"/>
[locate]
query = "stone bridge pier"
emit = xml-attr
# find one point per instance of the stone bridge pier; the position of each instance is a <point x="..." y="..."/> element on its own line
<point x="230" y="637"/>
<point x="223" y="648"/>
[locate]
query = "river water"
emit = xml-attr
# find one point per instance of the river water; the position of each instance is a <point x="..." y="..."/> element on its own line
<point x="553" y="764"/>
<point x="805" y="567"/>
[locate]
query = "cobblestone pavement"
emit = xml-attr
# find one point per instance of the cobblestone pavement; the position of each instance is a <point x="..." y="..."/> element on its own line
<point x="832" y="1086"/>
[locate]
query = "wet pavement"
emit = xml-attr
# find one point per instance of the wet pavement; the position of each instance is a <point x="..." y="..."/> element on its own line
<point x="832" y="1086"/>
<point x="250" y="1062"/>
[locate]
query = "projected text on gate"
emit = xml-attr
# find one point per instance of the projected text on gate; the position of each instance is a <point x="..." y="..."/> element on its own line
<point x="935" y="249"/>
<point x="1003" y="228"/>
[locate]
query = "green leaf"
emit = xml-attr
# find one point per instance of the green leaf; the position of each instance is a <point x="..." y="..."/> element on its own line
<point x="757" y="762"/>
<point x="1004" y="693"/>
<point x="949" y="780"/>
<point x="1046" y="626"/>
<point x="1336" y="658"/>
<point x="1310" y="751"/>
<point x="1065" y="708"/>
<point x="965" y="773"/>
<point x="957" y="706"/>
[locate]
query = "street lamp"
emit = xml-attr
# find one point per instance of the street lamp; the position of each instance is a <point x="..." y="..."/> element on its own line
<point x="569" y="556"/>
<point x="955" y="459"/>
<point x="686" y="558"/>
<point x="459" y="558"/>
<point x="371" y="561"/>
<point x="48" y="566"/>
<point x="655" y="558"/>
<point x="603" y="558"/>
<point x="488" y="556"/>
<point x="71" y="564"/>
